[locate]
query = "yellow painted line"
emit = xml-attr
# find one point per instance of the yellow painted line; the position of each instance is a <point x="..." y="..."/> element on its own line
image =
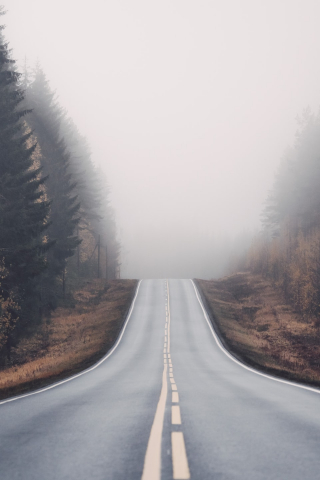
<point x="175" y="397"/>
<point x="175" y="415"/>
<point x="179" y="457"/>
<point x="152" y="460"/>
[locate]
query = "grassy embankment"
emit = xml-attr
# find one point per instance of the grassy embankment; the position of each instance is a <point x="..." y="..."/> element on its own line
<point x="258" y="326"/>
<point x="75" y="338"/>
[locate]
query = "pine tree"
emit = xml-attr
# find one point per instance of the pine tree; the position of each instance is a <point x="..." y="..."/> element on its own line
<point x="288" y="250"/>
<point x="97" y="216"/>
<point x="60" y="141"/>
<point x="23" y="209"/>
<point x="60" y="186"/>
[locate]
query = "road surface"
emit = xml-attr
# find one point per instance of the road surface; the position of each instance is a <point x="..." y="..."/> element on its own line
<point x="167" y="403"/>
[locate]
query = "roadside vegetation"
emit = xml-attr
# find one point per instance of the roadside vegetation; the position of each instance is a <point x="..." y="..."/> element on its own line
<point x="287" y="251"/>
<point x="57" y="228"/>
<point x="258" y="326"/>
<point x="270" y="315"/>
<point x="74" y="339"/>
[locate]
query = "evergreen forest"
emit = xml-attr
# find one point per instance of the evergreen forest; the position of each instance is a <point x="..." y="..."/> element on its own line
<point x="57" y="228"/>
<point x="287" y="250"/>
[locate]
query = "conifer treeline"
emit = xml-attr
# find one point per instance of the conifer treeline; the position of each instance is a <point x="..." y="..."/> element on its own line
<point x="54" y="212"/>
<point x="288" y="249"/>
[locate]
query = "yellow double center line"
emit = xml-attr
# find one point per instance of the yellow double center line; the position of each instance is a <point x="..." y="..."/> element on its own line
<point x="152" y="461"/>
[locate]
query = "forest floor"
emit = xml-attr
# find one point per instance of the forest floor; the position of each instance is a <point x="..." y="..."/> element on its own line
<point x="259" y="328"/>
<point x="74" y="339"/>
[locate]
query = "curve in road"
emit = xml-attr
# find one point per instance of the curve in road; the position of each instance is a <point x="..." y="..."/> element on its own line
<point x="213" y="417"/>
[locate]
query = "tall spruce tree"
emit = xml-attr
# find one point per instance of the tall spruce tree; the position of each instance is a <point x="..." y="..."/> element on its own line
<point x="94" y="218"/>
<point x="23" y="208"/>
<point x="97" y="216"/>
<point x="60" y="186"/>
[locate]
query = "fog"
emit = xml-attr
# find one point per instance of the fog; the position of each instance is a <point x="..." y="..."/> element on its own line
<point x="188" y="107"/>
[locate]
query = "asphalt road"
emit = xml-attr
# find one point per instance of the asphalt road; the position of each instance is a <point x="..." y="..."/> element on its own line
<point x="167" y="403"/>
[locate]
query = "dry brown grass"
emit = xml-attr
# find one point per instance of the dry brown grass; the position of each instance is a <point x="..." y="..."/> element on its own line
<point x="75" y="338"/>
<point x="259" y="327"/>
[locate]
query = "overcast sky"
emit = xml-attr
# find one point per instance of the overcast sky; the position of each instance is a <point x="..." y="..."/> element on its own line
<point x="188" y="105"/>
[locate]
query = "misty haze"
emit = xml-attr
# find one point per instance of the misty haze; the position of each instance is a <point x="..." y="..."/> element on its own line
<point x="159" y="239"/>
<point x="187" y="107"/>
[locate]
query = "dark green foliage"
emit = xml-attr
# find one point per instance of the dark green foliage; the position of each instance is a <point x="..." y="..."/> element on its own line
<point x="60" y="186"/>
<point x="52" y="197"/>
<point x="88" y="186"/>
<point x="80" y="210"/>
<point x="23" y="209"/>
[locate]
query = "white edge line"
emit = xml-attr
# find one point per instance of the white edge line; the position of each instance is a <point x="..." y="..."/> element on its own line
<point x="225" y="351"/>
<point x="84" y="371"/>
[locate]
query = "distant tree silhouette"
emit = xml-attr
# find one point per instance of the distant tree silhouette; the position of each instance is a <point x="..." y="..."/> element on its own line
<point x="288" y="249"/>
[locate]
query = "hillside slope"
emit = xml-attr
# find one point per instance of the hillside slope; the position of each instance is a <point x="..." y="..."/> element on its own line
<point x="74" y="339"/>
<point x="258" y="326"/>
